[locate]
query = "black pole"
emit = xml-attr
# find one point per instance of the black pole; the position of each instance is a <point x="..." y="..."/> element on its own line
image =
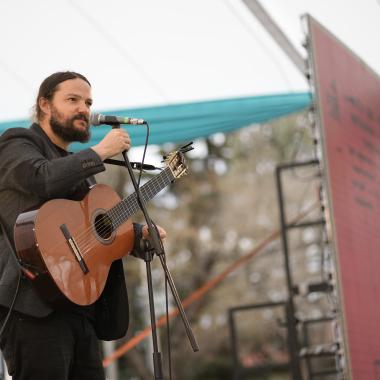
<point x="291" y="318"/>
<point x="155" y="247"/>
<point x="157" y="362"/>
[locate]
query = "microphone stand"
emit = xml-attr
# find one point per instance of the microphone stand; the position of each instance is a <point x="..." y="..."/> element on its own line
<point x="154" y="246"/>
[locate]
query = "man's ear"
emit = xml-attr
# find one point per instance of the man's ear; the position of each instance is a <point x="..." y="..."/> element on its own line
<point x="44" y="106"/>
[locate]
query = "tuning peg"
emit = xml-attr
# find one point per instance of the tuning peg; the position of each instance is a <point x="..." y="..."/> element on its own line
<point x="186" y="148"/>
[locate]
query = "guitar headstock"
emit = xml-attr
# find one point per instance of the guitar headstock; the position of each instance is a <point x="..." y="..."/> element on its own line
<point x="177" y="164"/>
<point x="176" y="161"/>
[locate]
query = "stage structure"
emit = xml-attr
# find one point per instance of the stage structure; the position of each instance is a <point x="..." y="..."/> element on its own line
<point x="347" y="106"/>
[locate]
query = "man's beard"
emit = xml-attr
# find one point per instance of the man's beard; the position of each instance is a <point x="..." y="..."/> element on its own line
<point x="65" y="128"/>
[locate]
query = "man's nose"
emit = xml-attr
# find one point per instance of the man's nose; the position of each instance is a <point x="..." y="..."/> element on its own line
<point x="83" y="108"/>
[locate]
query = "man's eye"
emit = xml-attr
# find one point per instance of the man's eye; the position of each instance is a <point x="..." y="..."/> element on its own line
<point x="72" y="99"/>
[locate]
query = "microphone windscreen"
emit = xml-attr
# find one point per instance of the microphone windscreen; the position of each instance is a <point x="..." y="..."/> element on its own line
<point x="95" y="119"/>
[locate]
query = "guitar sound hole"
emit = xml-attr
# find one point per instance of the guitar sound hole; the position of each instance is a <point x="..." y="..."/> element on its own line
<point x="103" y="226"/>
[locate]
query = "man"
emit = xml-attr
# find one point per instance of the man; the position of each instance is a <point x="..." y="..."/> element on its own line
<point x="35" y="166"/>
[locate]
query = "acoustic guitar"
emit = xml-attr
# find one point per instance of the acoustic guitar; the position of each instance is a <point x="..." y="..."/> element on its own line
<point x="66" y="247"/>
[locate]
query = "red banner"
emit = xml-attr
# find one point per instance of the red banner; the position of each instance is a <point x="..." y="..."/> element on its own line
<point x="348" y="103"/>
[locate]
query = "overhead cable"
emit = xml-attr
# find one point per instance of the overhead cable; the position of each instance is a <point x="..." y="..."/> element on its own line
<point x="120" y="48"/>
<point x="18" y="78"/>
<point x="250" y="30"/>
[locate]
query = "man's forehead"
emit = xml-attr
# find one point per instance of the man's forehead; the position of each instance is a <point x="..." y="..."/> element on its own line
<point x="75" y="86"/>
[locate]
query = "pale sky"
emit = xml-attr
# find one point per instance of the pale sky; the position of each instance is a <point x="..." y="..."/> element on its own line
<point x="151" y="52"/>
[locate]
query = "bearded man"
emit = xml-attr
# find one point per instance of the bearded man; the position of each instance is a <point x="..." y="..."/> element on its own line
<point x="39" y="342"/>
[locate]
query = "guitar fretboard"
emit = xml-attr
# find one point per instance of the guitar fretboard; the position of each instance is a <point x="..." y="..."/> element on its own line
<point x="129" y="205"/>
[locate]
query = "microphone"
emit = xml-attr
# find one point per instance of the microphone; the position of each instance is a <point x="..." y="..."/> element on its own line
<point x="98" y="119"/>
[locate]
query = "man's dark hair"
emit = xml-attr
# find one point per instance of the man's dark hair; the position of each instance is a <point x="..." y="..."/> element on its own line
<point x="50" y="85"/>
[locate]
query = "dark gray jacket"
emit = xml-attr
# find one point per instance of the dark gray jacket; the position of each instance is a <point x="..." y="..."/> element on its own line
<point x="33" y="170"/>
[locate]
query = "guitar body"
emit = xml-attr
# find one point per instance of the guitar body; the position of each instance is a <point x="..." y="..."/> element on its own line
<point x="66" y="247"/>
<point x="69" y="246"/>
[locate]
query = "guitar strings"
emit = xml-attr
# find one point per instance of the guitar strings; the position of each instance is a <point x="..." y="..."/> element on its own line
<point x="123" y="206"/>
<point x="92" y="241"/>
<point x="83" y="235"/>
<point x="86" y="236"/>
<point x="119" y="218"/>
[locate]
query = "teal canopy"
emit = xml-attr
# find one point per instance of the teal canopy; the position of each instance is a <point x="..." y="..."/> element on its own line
<point x="187" y="121"/>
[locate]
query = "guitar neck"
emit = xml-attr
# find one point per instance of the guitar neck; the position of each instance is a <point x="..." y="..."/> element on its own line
<point x="129" y="205"/>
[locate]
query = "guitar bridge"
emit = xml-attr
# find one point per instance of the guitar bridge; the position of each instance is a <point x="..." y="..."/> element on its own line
<point x="74" y="248"/>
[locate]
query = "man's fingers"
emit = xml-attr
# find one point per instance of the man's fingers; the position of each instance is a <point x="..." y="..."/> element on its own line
<point x="161" y="231"/>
